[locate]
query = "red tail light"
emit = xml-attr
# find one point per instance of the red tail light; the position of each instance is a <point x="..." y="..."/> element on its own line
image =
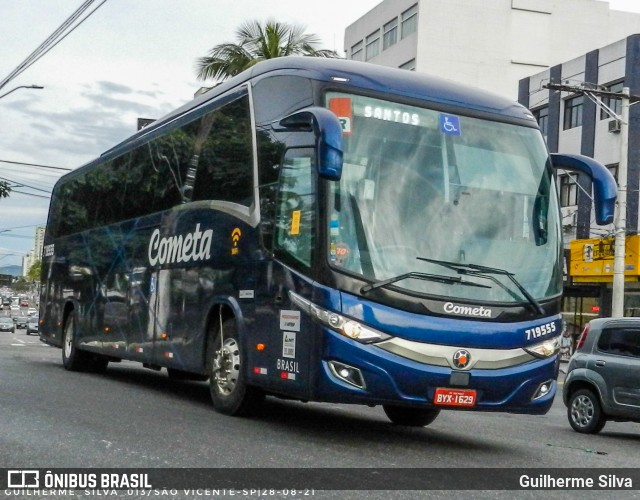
<point x="583" y="337"/>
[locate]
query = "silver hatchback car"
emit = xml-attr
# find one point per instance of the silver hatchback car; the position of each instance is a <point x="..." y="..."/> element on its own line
<point x="603" y="376"/>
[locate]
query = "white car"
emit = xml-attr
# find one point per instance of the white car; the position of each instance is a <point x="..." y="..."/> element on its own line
<point x="32" y="311"/>
<point x="15" y="308"/>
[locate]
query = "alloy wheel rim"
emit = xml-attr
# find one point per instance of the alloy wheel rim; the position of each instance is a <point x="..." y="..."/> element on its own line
<point x="582" y="411"/>
<point x="226" y="366"/>
<point x="68" y="340"/>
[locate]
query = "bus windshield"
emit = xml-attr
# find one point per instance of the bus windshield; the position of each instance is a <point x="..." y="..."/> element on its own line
<point x="421" y="188"/>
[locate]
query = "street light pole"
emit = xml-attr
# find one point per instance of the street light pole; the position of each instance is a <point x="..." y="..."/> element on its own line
<point x="617" y="299"/>
<point x="39" y="87"/>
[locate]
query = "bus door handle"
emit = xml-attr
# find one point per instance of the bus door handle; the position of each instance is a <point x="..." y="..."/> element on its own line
<point x="600" y="362"/>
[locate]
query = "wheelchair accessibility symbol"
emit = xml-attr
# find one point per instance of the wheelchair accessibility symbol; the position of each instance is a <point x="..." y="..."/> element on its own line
<point x="449" y="125"/>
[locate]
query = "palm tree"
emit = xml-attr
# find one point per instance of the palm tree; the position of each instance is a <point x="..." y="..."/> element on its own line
<point x="257" y="42"/>
<point x="4" y="189"/>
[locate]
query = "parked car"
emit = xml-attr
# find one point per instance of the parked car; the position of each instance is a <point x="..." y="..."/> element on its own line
<point x="603" y="376"/>
<point x="32" y="325"/>
<point x="7" y="324"/>
<point x="20" y="321"/>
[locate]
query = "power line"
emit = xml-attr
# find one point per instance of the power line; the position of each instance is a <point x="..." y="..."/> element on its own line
<point x="36" y="165"/>
<point x="31" y="194"/>
<point x="56" y="37"/>
<point x="22" y="184"/>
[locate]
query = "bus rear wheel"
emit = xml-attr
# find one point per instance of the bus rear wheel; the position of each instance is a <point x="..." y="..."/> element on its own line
<point x="229" y="392"/>
<point x="414" y="417"/>
<point x="74" y="359"/>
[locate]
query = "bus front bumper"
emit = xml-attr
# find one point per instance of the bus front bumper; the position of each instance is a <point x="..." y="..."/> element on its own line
<point x="370" y="374"/>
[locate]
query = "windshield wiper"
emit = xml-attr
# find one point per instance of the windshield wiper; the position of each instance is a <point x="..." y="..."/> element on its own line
<point x="453" y="280"/>
<point x="477" y="270"/>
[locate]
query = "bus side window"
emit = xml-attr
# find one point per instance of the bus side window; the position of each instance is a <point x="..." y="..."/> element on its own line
<point x="270" y="152"/>
<point x="295" y="212"/>
<point x="225" y="164"/>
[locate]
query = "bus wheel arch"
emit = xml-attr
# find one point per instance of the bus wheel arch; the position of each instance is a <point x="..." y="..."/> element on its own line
<point x="73" y="358"/>
<point x="230" y="394"/>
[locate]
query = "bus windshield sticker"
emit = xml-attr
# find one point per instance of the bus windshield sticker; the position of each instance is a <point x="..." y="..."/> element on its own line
<point x="449" y="125"/>
<point x="334" y="226"/>
<point x="288" y="344"/>
<point x="290" y="320"/>
<point x="342" y="253"/>
<point x="341" y="106"/>
<point x="295" y="222"/>
<point x="246" y="294"/>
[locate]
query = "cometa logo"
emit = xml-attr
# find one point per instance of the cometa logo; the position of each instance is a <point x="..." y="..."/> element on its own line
<point x="478" y="311"/>
<point x="189" y="247"/>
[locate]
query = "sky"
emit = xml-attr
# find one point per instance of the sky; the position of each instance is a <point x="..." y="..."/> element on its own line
<point x="131" y="59"/>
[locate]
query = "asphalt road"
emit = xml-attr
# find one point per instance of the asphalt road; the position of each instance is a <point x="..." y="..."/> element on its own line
<point x="136" y="418"/>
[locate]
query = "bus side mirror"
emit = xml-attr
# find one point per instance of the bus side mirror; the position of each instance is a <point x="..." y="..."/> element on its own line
<point x="328" y="132"/>
<point x="605" y="189"/>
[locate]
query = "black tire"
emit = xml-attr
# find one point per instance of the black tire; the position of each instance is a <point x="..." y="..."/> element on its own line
<point x="585" y="412"/>
<point x="229" y="393"/>
<point x="414" y="417"/>
<point x="74" y="359"/>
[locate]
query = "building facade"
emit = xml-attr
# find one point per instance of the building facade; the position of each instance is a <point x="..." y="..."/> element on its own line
<point x="36" y="254"/>
<point x="574" y="123"/>
<point x="491" y="44"/>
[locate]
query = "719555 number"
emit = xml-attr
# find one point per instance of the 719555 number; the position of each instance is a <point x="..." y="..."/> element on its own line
<point x="540" y="331"/>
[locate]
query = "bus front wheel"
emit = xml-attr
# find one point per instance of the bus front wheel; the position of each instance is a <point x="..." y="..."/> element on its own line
<point x="414" y="417"/>
<point x="229" y="392"/>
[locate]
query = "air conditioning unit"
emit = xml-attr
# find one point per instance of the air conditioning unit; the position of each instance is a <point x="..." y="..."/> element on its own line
<point x="614" y="126"/>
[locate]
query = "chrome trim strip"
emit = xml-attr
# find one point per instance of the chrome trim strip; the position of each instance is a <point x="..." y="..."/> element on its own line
<point x="301" y="302"/>
<point x="442" y="355"/>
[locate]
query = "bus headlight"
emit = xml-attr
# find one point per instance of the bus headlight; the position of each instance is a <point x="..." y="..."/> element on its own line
<point x="344" y="326"/>
<point x="544" y="349"/>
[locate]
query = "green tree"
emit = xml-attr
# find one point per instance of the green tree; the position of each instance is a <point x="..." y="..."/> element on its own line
<point x="257" y="42"/>
<point x="4" y="189"/>
<point x="20" y="285"/>
<point x="34" y="271"/>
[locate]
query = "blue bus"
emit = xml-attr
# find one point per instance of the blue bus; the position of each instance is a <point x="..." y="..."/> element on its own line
<point x="323" y="230"/>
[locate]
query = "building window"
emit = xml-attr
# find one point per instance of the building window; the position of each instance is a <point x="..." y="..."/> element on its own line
<point x="373" y="45"/>
<point x="614" y="171"/>
<point x="409" y="21"/>
<point x="542" y="117"/>
<point x="568" y="191"/>
<point x="356" y="52"/>
<point x="410" y="65"/>
<point x="614" y="103"/>
<point x="573" y="112"/>
<point x="390" y="33"/>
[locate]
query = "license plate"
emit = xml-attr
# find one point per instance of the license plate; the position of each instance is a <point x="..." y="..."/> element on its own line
<point x="454" y="397"/>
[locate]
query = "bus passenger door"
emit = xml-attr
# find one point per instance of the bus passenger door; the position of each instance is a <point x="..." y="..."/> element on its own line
<point x="288" y="334"/>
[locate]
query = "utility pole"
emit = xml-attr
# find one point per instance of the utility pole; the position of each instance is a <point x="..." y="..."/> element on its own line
<point x="620" y="223"/>
<point x="617" y="301"/>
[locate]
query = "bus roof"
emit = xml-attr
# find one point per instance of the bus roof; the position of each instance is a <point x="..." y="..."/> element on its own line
<point x="358" y="75"/>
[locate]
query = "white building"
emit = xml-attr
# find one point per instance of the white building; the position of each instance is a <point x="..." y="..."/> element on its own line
<point x="36" y="254"/>
<point x="572" y="123"/>
<point x="490" y="44"/>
